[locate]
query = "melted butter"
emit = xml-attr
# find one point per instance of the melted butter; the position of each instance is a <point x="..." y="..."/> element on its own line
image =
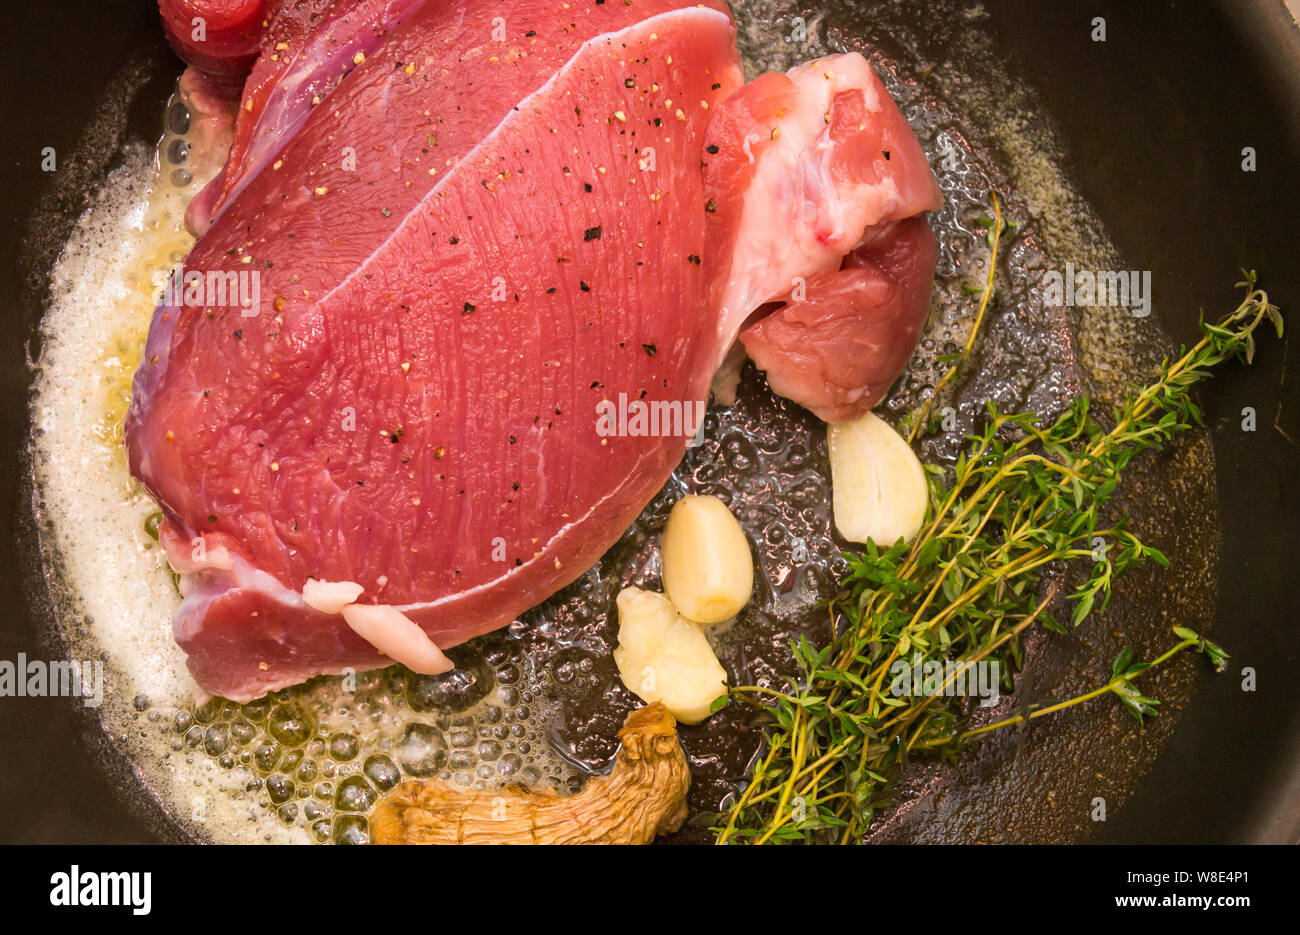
<point x="157" y="243"/>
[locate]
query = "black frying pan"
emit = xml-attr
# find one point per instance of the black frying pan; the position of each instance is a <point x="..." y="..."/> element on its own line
<point x="1152" y="132"/>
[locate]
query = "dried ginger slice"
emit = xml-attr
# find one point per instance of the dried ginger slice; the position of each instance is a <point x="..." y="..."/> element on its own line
<point x="644" y="795"/>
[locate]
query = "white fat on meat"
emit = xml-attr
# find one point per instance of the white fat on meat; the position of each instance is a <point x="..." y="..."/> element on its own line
<point x="800" y="218"/>
<point x="398" y="637"/>
<point x="192" y="556"/>
<point x="330" y="597"/>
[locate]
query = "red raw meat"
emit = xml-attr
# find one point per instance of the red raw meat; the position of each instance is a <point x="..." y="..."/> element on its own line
<point x="418" y="390"/>
<point x="221" y="37"/>
<point x="839" y="347"/>
<point x="804" y="168"/>
<point x="307" y="47"/>
<point x="502" y="216"/>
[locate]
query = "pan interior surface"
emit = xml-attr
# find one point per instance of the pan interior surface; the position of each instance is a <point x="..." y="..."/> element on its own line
<point x="542" y="700"/>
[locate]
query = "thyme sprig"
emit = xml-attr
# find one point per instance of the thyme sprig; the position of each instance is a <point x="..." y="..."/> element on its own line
<point x="995" y="228"/>
<point x="1024" y="504"/>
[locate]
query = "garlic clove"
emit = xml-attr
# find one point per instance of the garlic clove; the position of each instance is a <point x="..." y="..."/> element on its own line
<point x="707" y="568"/>
<point x="661" y="656"/>
<point x="878" y="487"/>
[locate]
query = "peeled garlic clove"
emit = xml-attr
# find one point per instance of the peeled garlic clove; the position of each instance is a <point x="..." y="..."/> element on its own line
<point x="707" y="569"/>
<point x="663" y="657"/>
<point x="878" y="488"/>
